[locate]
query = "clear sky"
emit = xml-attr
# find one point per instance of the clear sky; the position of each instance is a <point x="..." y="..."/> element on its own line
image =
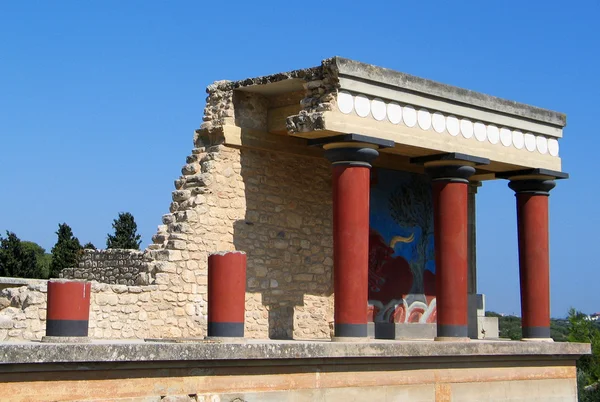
<point x="99" y="100"/>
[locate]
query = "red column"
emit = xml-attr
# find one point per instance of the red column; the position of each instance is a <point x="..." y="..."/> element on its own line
<point x="351" y="249"/>
<point x="450" y="193"/>
<point x="226" y="294"/>
<point x="68" y="310"/>
<point x="351" y="186"/>
<point x="534" y="257"/>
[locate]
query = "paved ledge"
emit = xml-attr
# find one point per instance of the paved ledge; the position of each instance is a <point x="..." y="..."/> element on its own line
<point x="139" y="351"/>
<point x="7" y="282"/>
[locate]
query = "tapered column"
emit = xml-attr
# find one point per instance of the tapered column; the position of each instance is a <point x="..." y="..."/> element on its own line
<point x="450" y="220"/>
<point x="351" y="156"/>
<point x="534" y="257"/>
<point x="350" y="186"/>
<point x="450" y="175"/>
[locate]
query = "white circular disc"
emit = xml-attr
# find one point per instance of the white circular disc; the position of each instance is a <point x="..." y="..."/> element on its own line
<point x="480" y="131"/>
<point x="541" y="143"/>
<point x="394" y="112"/>
<point x="553" y="146"/>
<point x="409" y="115"/>
<point x="362" y="105"/>
<point x="378" y="109"/>
<point x="439" y="122"/>
<point x="493" y="136"/>
<point x="530" y="142"/>
<point x="518" y="140"/>
<point x="505" y="135"/>
<point x="345" y="102"/>
<point x="424" y="119"/>
<point x="466" y="128"/>
<point x="452" y="125"/>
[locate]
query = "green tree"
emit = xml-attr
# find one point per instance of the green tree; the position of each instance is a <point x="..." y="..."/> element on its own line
<point x="581" y="329"/>
<point x="17" y="260"/>
<point x="89" y="245"/>
<point x="125" y="233"/>
<point x="559" y="330"/>
<point x="509" y="326"/>
<point x="66" y="252"/>
<point x="42" y="258"/>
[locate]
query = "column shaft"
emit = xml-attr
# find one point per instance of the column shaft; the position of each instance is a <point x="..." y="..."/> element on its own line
<point x="532" y="215"/>
<point x="451" y="257"/>
<point x="351" y="248"/>
<point x="226" y="294"/>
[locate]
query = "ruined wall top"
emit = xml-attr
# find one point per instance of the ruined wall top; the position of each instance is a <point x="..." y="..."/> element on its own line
<point x="421" y="116"/>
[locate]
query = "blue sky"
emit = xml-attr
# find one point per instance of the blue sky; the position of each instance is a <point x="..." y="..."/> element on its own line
<point x="99" y="100"/>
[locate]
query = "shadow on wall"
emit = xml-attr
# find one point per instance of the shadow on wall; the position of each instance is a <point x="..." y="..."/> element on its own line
<point x="287" y="235"/>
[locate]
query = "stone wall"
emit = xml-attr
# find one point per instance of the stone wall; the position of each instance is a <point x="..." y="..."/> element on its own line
<point x="116" y="312"/>
<point x="275" y="207"/>
<point x="113" y="266"/>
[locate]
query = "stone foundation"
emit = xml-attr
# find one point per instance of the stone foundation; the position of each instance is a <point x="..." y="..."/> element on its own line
<point x="291" y="371"/>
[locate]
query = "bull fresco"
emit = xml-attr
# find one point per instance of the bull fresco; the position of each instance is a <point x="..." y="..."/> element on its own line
<point x="401" y="252"/>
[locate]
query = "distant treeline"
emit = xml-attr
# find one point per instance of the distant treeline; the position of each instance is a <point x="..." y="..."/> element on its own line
<point x="26" y="259"/>
<point x="576" y="328"/>
<point x="510" y="327"/>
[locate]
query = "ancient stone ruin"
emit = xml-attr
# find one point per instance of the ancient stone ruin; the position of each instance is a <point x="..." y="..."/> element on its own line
<point x="351" y="189"/>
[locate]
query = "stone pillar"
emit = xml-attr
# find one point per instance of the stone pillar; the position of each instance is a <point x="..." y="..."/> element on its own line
<point x="351" y="157"/>
<point x="450" y="175"/>
<point x="226" y="294"/>
<point x="472" y="237"/>
<point x="473" y="299"/>
<point x="534" y="258"/>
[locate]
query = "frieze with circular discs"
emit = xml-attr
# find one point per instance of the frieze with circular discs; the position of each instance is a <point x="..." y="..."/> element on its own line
<point x="437" y="121"/>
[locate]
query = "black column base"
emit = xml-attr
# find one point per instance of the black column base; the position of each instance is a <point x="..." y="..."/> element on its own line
<point x="67" y="327"/>
<point x="536" y="332"/>
<point x="452" y="331"/>
<point x="226" y="329"/>
<point x="351" y="330"/>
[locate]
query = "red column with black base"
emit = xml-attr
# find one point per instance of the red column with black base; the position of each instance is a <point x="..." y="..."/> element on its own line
<point x="534" y="257"/>
<point x="351" y="186"/>
<point x="226" y="294"/>
<point x="450" y="194"/>
<point x="68" y="310"/>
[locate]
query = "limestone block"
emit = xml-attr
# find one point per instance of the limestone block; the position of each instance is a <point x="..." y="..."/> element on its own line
<point x="6" y="322"/>
<point x="103" y="299"/>
<point x="15" y="333"/>
<point x="199" y="180"/>
<point x="190" y="169"/>
<point x="31" y="312"/>
<point x="119" y="289"/>
<point x="181" y="195"/>
<point x="168" y="218"/>
<point x="188" y="276"/>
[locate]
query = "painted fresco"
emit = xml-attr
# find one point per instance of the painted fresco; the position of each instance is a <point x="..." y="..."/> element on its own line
<point x="401" y="253"/>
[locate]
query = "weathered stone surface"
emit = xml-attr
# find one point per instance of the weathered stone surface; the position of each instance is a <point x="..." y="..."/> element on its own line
<point x="259" y="350"/>
<point x="110" y="266"/>
<point x="274" y="206"/>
